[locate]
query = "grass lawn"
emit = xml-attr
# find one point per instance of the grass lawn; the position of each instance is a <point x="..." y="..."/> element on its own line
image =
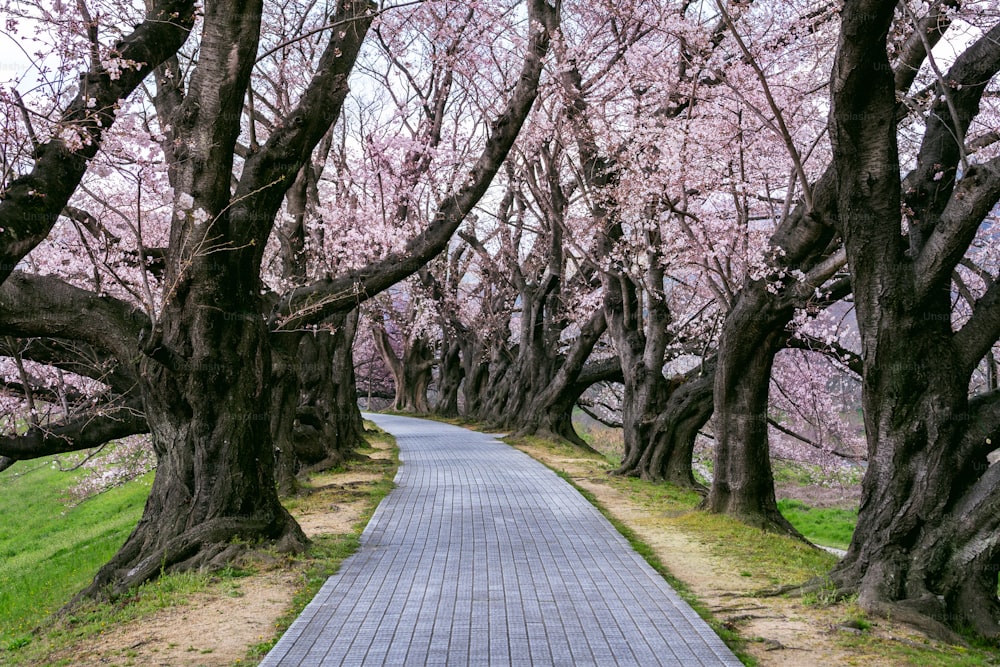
<point x="828" y="527"/>
<point x="48" y="550"/>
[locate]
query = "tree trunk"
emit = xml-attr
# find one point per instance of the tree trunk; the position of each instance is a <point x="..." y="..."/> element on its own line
<point x="411" y="374"/>
<point x="207" y="400"/>
<point x="418" y="365"/>
<point x="920" y="550"/>
<point x="486" y="385"/>
<point x="450" y="376"/>
<point x="475" y="378"/>
<point x="284" y="402"/>
<point x="743" y="484"/>
<point x="670" y="433"/>
<point x="550" y="407"/>
<point x="926" y="549"/>
<point x="328" y="414"/>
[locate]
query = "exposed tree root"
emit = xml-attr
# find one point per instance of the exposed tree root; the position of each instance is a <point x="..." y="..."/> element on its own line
<point x="915" y="613"/>
<point x="209" y="546"/>
<point x="904" y="612"/>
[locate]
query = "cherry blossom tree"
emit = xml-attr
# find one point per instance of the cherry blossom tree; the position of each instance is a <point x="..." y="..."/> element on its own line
<point x="804" y="252"/>
<point x="204" y="359"/>
<point x="798" y="260"/>
<point x="925" y="549"/>
<point x="34" y="200"/>
<point x="408" y="319"/>
<point x="643" y="64"/>
<point x="537" y="365"/>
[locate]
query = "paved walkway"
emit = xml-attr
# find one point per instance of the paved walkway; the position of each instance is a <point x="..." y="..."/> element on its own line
<point x="482" y="556"/>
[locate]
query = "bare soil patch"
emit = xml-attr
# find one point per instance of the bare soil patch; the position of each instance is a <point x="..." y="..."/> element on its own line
<point x="212" y="629"/>
<point x="338" y="504"/>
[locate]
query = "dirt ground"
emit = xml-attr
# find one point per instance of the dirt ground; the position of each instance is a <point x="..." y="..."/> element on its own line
<point x="212" y="629"/>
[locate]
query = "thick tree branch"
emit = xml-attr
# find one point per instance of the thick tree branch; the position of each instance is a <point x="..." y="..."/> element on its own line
<point x="34" y="306"/>
<point x="587" y="407"/>
<point x="862" y="88"/>
<point x="978" y="335"/>
<point x="983" y="434"/>
<point x="269" y="172"/>
<point x="970" y="202"/>
<point x="913" y="52"/>
<point x="312" y="303"/>
<point x="601" y="370"/>
<point x="31" y="204"/>
<point x="75" y="433"/>
<point x="932" y="187"/>
<point x="76" y="357"/>
<point x="386" y="351"/>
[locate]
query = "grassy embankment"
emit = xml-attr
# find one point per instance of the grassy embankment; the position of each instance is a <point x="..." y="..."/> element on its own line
<point x="50" y="550"/>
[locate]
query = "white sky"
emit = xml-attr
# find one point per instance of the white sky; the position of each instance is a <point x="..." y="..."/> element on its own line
<point x="15" y="66"/>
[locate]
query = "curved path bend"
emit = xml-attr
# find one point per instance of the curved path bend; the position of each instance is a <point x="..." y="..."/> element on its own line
<point x="483" y="556"/>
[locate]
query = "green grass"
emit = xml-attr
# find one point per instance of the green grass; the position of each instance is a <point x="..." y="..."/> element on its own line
<point x="51" y="551"/>
<point x="770" y="558"/>
<point x="48" y="550"/>
<point x="829" y="527"/>
<point x="802" y="474"/>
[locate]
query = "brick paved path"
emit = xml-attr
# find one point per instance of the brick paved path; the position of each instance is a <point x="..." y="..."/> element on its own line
<point x="483" y="556"/>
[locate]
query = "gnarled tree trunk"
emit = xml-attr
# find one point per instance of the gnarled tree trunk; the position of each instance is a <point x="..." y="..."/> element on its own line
<point x="208" y="407"/>
<point x="284" y="401"/>
<point x="450" y="375"/>
<point x="550" y="410"/>
<point x="206" y="376"/>
<point x="411" y="373"/>
<point x="671" y="431"/>
<point x="926" y="548"/>
<point x="742" y="483"/>
<point x="328" y="416"/>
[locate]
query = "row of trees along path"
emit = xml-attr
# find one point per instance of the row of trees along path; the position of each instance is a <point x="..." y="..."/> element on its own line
<point x="698" y="216"/>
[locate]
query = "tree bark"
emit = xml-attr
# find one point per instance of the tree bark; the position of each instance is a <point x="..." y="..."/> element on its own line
<point x="549" y="409"/>
<point x="209" y="413"/>
<point x="476" y="374"/>
<point x="450" y="376"/>
<point x="206" y="376"/>
<point x="926" y="549"/>
<point x="670" y="430"/>
<point x="328" y="416"/>
<point x="743" y="485"/>
<point x="411" y="373"/>
<point x="284" y="403"/>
